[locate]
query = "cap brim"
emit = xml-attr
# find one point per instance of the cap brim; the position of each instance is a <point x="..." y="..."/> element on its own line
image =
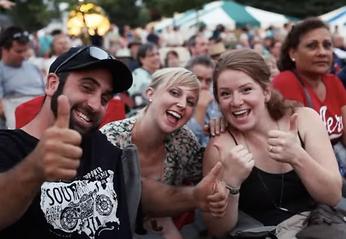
<point x="122" y="76"/>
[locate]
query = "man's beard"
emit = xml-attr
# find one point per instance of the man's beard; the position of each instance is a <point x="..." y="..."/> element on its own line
<point x="73" y="125"/>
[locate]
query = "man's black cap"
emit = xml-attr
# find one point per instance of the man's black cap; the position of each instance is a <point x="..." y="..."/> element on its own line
<point x="84" y="57"/>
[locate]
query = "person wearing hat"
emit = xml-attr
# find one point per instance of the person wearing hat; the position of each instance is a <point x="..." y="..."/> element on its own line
<point x="20" y="80"/>
<point x="216" y="49"/>
<point x="133" y="46"/>
<point x="60" y="177"/>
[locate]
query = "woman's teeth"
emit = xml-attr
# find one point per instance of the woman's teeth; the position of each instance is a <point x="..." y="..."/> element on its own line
<point x="174" y="114"/>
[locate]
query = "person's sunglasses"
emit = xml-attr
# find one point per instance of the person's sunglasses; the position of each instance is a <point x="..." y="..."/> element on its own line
<point x="20" y="35"/>
<point x="94" y="52"/>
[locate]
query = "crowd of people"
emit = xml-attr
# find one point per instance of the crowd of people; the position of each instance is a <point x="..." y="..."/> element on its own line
<point x="209" y="128"/>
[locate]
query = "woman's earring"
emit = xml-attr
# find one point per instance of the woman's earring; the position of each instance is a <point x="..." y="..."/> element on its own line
<point x="293" y="59"/>
<point x="150" y="100"/>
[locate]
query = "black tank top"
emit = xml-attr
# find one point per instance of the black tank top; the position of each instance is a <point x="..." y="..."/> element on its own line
<point x="272" y="198"/>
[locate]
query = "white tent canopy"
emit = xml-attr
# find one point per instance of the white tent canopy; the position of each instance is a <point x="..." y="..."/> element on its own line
<point x="267" y="18"/>
<point x="228" y="13"/>
<point x="336" y="18"/>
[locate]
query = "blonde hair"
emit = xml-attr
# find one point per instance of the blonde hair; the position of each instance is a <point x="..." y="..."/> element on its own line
<point x="175" y="76"/>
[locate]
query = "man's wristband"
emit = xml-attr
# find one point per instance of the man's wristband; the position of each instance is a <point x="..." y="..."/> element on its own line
<point x="233" y="190"/>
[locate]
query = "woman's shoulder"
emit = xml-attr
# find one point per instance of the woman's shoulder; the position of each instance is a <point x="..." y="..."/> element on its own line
<point x="223" y="140"/>
<point x="333" y="81"/>
<point x="303" y="112"/>
<point x="307" y="119"/>
<point x="284" y="75"/>
<point x="184" y="140"/>
<point x="285" y="80"/>
<point x="120" y="130"/>
<point x="125" y="124"/>
<point x="184" y="133"/>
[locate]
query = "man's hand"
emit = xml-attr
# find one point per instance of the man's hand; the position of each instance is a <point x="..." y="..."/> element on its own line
<point x="58" y="153"/>
<point x="209" y="186"/>
<point x="218" y="200"/>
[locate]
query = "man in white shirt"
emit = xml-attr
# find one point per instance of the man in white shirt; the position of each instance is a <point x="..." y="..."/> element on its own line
<point x="19" y="79"/>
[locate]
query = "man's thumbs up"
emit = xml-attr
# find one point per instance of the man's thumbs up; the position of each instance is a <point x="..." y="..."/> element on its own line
<point x="214" y="175"/>
<point x="59" y="151"/>
<point x="207" y="186"/>
<point x="63" y="112"/>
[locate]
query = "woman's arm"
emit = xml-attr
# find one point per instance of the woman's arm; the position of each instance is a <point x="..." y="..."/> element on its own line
<point x="237" y="164"/>
<point x="315" y="164"/>
<point x="159" y="199"/>
<point x="219" y="226"/>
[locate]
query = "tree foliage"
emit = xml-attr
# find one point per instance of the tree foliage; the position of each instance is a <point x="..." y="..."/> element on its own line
<point x="168" y="7"/>
<point x="35" y="14"/>
<point x="122" y="12"/>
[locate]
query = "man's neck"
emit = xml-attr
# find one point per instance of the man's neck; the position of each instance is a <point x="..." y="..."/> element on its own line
<point x="9" y="63"/>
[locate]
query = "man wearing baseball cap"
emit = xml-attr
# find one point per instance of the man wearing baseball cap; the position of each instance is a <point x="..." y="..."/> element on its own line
<point x="60" y="177"/>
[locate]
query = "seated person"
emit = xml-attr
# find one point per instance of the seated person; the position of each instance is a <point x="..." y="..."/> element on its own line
<point x="168" y="151"/>
<point x="277" y="158"/>
<point x="53" y="180"/>
<point x="305" y="61"/>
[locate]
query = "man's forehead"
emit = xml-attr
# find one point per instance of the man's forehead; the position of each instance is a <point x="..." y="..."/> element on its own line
<point x="202" y="67"/>
<point x="100" y="76"/>
<point x="19" y="45"/>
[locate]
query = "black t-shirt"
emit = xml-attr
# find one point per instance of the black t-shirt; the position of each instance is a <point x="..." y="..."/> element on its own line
<point x="93" y="205"/>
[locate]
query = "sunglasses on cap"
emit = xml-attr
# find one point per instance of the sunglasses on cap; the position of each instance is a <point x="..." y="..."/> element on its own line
<point x="93" y="51"/>
<point x="21" y="35"/>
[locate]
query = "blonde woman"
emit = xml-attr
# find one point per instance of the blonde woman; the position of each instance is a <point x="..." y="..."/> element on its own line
<point x="168" y="151"/>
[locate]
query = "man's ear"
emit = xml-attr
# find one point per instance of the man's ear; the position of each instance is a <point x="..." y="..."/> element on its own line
<point x="52" y="84"/>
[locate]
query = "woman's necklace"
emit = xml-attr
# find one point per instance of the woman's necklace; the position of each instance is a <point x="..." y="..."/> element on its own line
<point x="277" y="205"/>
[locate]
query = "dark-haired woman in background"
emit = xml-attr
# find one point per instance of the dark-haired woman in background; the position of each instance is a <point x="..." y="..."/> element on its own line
<point x="305" y="62"/>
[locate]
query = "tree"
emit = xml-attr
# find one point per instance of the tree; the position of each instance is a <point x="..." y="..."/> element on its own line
<point x="123" y="12"/>
<point x="169" y="7"/>
<point x="34" y="14"/>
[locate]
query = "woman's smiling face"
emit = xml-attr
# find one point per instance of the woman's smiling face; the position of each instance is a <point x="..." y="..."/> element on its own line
<point x="241" y="99"/>
<point x="172" y="106"/>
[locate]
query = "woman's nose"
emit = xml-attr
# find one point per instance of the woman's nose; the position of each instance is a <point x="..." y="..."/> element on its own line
<point x="237" y="99"/>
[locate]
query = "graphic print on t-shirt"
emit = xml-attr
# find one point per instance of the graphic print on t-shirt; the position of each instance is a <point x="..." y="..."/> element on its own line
<point x="86" y="206"/>
<point x="333" y="123"/>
